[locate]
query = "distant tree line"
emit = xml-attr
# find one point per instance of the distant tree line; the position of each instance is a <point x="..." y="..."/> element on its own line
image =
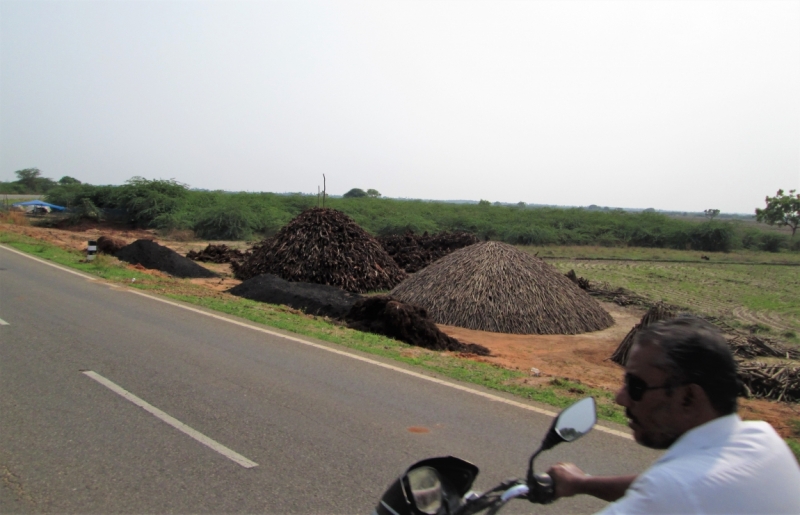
<point x="170" y="205"/>
<point x="31" y="182"/>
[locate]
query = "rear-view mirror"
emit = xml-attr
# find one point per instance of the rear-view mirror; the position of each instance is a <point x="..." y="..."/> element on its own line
<point x="577" y="420"/>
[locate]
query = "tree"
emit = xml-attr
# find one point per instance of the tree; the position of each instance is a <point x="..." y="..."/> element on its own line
<point x="68" y="180"/>
<point x="28" y="178"/>
<point x="355" y="193"/>
<point x="151" y="203"/>
<point x="711" y="213"/>
<point x="373" y="193"/>
<point x="782" y="210"/>
<point x="483" y="202"/>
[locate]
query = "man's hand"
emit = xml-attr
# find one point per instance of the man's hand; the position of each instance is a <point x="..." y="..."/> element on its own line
<point x="569" y="480"/>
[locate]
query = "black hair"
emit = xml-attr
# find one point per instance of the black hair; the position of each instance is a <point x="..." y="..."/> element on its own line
<point x="696" y="353"/>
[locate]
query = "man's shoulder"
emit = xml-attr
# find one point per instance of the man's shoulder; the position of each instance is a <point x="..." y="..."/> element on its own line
<point x="751" y="470"/>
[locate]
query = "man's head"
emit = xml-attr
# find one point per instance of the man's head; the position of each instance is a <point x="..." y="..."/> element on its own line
<point x="680" y="374"/>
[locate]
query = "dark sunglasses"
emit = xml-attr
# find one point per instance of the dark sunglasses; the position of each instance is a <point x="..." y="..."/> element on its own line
<point x="636" y="387"/>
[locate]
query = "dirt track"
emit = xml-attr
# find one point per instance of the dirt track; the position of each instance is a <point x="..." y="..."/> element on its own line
<point x="578" y="357"/>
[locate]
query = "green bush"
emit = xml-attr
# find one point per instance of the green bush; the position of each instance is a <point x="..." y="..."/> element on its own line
<point x="751" y="239"/>
<point x="12" y="188"/>
<point x="712" y="237"/>
<point x="530" y="236"/>
<point x="150" y="203"/>
<point x="73" y="195"/>
<point x="772" y="242"/>
<point x="85" y="210"/>
<point x="225" y="221"/>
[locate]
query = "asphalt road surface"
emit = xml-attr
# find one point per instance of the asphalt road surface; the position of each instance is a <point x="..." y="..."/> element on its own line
<point x="112" y="402"/>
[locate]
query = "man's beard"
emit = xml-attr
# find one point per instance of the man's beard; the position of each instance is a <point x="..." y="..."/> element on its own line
<point x="660" y="440"/>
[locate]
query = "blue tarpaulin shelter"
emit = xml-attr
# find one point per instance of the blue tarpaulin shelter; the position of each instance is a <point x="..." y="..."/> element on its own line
<point x="38" y="203"/>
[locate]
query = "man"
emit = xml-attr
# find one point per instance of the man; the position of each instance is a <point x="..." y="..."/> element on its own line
<point x="680" y="394"/>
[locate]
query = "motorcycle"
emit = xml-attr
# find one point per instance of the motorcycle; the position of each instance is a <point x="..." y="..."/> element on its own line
<point x="441" y="486"/>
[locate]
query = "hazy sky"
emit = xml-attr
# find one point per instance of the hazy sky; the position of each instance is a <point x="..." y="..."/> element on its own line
<point x="682" y="105"/>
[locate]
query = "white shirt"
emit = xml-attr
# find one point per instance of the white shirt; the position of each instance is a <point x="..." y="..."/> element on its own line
<point x="724" y="466"/>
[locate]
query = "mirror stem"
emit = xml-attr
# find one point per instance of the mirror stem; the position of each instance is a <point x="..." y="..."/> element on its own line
<point x="530" y="463"/>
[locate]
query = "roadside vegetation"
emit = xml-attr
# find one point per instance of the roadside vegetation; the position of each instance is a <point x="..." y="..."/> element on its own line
<point x="171" y="206"/>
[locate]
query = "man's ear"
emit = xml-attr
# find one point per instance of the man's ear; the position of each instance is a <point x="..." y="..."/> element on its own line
<point x="689" y="396"/>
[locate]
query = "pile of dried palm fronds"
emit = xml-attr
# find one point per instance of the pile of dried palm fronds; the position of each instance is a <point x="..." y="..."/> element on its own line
<point x="774" y="380"/>
<point x="216" y="254"/>
<point x="619" y="296"/>
<point x="323" y="246"/>
<point x="109" y="245"/>
<point x="582" y="282"/>
<point x="492" y="286"/>
<point x="382" y="314"/>
<point x="658" y="312"/>
<point x="413" y="252"/>
<point x="752" y="345"/>
<point x="777" y="381"/>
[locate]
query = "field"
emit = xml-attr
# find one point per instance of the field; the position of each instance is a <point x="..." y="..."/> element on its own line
<point x="747" y="289"/>
<point x="755" y="290"/>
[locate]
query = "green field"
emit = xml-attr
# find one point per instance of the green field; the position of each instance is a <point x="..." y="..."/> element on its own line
<point x="755" y="290"/>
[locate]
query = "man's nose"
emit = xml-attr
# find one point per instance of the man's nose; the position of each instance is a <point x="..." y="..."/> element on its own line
<point x="622" y="397"/>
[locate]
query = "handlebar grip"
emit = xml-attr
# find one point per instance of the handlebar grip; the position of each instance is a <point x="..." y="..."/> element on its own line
<point x="542" y="491"/>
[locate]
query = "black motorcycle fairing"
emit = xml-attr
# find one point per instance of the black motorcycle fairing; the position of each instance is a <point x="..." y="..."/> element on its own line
<point x="455" y="474"/>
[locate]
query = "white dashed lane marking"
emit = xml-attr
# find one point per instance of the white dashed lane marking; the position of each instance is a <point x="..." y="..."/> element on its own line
<point x="177" y="424"/>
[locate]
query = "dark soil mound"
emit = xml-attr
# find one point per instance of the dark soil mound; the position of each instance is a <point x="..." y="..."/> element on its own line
<point x="383" y="315"/>
<point x="151" y="255"/>
<point x="314" y="299"/>
<point x="216" y="254"/>
<point x="413" y="252"/>
<point x="106" y="245"/>
<point x="323" y="246"/>
<point x="492" y="286"/>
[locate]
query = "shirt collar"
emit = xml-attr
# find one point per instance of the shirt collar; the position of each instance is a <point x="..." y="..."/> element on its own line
<point x="710" y="434"/>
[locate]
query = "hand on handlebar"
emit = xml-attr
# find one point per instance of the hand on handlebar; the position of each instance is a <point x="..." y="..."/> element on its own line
<point x="567" y="478"/>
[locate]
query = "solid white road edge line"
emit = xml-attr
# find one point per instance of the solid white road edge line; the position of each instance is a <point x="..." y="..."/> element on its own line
<point x="479" y="393"/>
<point x="44" y="261"/>
<point x="177" y="424"/>
<point x="3" y="322"/>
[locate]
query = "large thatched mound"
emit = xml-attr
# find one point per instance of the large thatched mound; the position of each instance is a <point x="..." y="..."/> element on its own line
<point x="493" y="286"/>
<point x="323" y="246"/>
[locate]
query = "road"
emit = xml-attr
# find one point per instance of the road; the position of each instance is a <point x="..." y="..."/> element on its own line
<point x="324" y="432"/>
